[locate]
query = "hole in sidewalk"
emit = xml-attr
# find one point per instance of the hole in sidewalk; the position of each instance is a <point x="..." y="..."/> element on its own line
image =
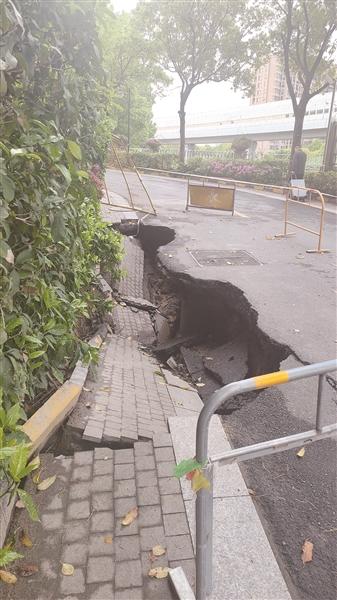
<point x="213" y="337"/>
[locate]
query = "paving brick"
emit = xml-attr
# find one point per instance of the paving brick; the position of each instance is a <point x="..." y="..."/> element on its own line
<point x="151" y="536"/>
<point x="127" y="548"/>
<point x="176" y="524"/>
<point x="165" y="469"/>
<point x="73" y="584"/>
<point x="147" y="563"/>
<point x="100" y="568"/>
<point x="56" y="503"/>
<point x="111" y="435"/>
<point x="124" y="471"/>
<point x="52" y="520"/>
<point x="103" y="501"/>
<point x="76" y="554"/>
<point x="79" y="491"/>
<point x="146" y="478"/>
<point x="128" y="574"/>
<point x="102" y="453"/>
<point x="123" y="505"/>
<point x="83" y="458"/>
<point x="102" y="592"/>
<point x="93" y="434"/>
<point x="179" y="547"/>
<point x="143" y="449"/>
<point x="158" y="589"/>
<point x="150" y="516"/>
<point x="148" y="496"/>
<point x="145" y="463"/>
<point x="131" y="594"/>
<point x="78" y="510"/>
<point x="103" y="467"/>
<point x="124" y="488"/>
<point x="81" y="473"/>
<point x="164" y="454"/>
<point x="75" y="530"/>
<point x="102" y="483"/>
<point x="169" y="485"/>
<point x="172" y="503"/>
<point x="102" y="521"/>
<point x="97" y="545"/>
<point x="124" y="456"/>
<point x="126" y="530"/>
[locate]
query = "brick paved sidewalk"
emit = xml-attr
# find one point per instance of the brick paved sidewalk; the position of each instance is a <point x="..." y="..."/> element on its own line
<point x="132" y="264"/>
<point x="80" y="524"/>
<point x="132" y="398"/>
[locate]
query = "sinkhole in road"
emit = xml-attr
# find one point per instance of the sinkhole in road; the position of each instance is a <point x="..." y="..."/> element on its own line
<point x="213" y="336"/>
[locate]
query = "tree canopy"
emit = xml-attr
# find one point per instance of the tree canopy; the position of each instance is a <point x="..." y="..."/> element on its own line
<point x="129" y="59"/>
<point x="203" y="41"/>
<point x="303" y="34"/>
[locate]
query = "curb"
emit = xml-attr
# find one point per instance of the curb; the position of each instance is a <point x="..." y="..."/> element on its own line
<point x="47" y="419"/>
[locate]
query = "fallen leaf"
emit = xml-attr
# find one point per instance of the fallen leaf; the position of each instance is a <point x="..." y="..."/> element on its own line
<point x="208" y="358"/>
<point x="19" y="504"/>
<point x="35" y="463"/>
<point x="25" y="539"/>
<point x="88" y="405"/>
<point x="130" y="516"/>
<point x="200" y="384"/>
<point x="67" y="569"/>
<point x="86" y="389"/>
<point x="199" y="482"/>
<point x="251" y="492"/>
<point x="307" y="549"/>
<point x="108" y="539"/>
<point x="8" y="577"/>
<point x="159" y="572"/>
<point x="28" y="570"/>
<point x="9" y="257"/>
<point x="158" y="550"/>
<point x="186" y="466"/>
<point x="122" y="304"/>
<point x="301" y="452"/>
<point x="36" y="477"/>
<point x="46" y="483"/>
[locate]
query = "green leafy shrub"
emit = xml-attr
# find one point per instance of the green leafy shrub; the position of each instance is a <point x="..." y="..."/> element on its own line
<point x="56" y="127"/>
<point x="325" y="182"/>
<point x="155" y="160"/>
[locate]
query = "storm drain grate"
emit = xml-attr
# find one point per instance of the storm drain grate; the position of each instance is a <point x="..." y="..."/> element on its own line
<point x="222" y="258"/>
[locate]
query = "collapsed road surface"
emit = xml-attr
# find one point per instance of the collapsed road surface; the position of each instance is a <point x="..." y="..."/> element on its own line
<point x="286" y="299"/>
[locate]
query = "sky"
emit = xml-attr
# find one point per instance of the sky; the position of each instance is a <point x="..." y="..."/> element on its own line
<point x="210" y="97"/>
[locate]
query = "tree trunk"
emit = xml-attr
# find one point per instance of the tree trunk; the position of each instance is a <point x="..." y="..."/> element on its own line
<point x="181" y="113"/>
<point x="299" y="113"/>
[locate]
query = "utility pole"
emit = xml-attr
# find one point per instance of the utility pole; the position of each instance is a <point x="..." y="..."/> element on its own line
<point x="129" y="107"/>
<point x="326" y="146"/>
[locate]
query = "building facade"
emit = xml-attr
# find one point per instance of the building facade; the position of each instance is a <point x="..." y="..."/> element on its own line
<point x="270" y="83"/>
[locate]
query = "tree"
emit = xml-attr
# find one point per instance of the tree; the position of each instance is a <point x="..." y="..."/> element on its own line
<point x="240" y="146"/>
<point x="202" y="41"/>
<point x="132" y="72"/>
<point x="305" y="37"/>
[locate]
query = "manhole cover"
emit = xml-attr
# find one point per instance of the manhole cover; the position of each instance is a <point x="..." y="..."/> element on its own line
<point x="222" y="258"/>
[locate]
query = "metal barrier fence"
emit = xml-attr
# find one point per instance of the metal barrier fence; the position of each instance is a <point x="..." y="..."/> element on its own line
<point x="204" y="501"/>
<point x="276" y="189"/>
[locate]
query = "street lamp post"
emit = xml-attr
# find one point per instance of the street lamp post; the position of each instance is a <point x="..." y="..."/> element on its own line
<point x="329" y="126"/>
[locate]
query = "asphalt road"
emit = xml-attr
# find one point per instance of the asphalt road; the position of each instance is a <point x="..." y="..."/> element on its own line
<point x="294" y="296"/>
